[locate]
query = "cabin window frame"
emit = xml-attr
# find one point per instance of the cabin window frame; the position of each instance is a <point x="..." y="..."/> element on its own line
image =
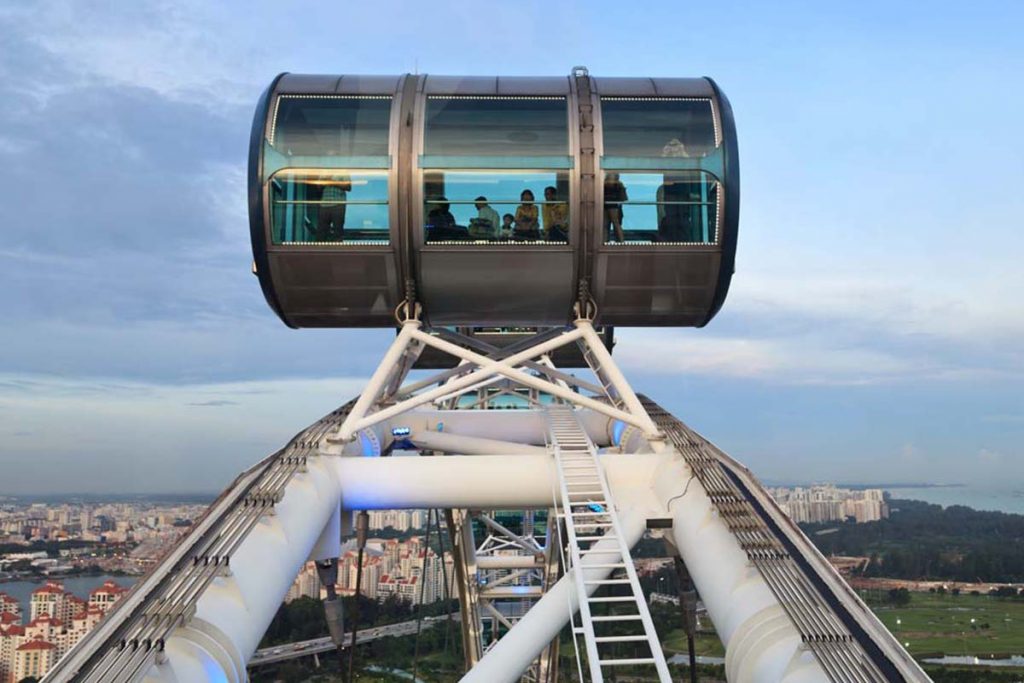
<point x="275" y="162"/>
<point x="426" y="164"/>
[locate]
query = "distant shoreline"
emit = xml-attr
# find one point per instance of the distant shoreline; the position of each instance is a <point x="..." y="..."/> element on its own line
<point x="861" y="487"/>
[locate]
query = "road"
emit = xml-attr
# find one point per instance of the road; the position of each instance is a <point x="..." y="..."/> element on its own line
<point x="280" y="653"/>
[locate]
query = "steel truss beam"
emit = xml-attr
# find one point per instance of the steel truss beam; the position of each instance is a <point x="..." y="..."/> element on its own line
<point x="487" y="369"/>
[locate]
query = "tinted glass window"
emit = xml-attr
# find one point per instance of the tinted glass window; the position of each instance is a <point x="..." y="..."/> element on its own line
<point x="657" y="127"/>
<point x="315" y="207"/>
<point x="516" y="126"/>
<point x="495" y="206"/>
<point x="678" y="207"/>
<point x="332" y="125"/>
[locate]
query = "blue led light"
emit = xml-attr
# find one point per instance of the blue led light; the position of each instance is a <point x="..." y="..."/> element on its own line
<point x="594" y="507"/>
<point x="400" y="431"/>
<point x="617" y="429"/>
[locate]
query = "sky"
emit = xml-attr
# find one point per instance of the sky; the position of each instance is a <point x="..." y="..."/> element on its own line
<point x="873" y="329"/>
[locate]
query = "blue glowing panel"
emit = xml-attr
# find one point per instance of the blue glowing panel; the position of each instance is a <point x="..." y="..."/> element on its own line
<point x="369" y="447"/>
<point x="617" y="429"/>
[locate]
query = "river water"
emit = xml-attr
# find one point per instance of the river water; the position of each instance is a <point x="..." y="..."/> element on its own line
<point x="79" y="585"/>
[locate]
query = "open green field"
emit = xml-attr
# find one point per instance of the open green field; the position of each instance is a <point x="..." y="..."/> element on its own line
<point x="977" y="625"/>
<point x="705" y="644"/>
<point x="931" y="624"/>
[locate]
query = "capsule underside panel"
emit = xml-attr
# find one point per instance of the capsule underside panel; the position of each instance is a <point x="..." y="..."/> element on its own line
<point x="461" y="285"/>
<point x="356" y="202"/>
<point x="319" y="289"/>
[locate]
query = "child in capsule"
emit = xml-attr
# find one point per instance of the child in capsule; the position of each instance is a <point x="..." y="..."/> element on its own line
<point x="506" y="225"/>
<point x="527" y="223"/>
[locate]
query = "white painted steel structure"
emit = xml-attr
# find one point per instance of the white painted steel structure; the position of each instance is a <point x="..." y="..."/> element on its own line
<point x="782" y="613"/>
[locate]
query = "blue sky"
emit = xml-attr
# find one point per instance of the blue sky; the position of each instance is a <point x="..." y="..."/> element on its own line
<point x="874" y="327"/>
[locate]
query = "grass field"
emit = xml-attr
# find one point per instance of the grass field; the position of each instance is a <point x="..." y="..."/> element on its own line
<point x="977" y="625"/>
<point x="706" y="644"/>
<point x="931" y="624"/>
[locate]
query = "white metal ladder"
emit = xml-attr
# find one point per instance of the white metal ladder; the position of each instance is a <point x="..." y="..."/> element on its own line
<point x="602" y="377"/>
<point x="589" y="517"/>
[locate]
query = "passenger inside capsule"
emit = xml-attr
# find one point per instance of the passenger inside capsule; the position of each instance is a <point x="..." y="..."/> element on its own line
<point x="330" y="221"/>
<point x="487" y="224"/>
<point x="441" y="223"/>
<point x="527" y="223"/>
<point x="556" y="217"/>
<point x="614" y="195"/>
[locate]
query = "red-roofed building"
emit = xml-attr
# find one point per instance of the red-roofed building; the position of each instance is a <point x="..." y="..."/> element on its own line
<point x="9" y="605"/>
<point x="33" y="658"/>
<point x="53" y="600"/>
<point x="106" y="595"/>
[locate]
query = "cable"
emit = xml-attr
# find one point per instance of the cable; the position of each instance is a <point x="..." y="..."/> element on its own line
<point x="362" y="525"/>
<point x="423" y="588"/>
<point x="444" y="575"/>
<point x="668" y="503"/>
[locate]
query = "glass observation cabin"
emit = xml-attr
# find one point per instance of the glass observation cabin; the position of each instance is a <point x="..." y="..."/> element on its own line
<point x="493" y="198"/>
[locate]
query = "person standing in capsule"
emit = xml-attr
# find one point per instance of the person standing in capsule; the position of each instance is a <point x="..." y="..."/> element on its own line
<point x="330" y="220"/>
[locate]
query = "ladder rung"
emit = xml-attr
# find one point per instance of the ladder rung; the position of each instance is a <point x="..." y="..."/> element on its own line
<point x="613" y="598"/>
<point x="608" y="537"/>
<point x="594" y="551"/>
<point x="604" y="566"/>
<point x="617" y="617"/>
<point x="605" y="582"/>
<point x="626" y="662"/>
<point x="619" y="639"/>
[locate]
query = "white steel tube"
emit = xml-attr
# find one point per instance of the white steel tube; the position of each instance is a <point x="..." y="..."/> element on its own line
<point x="234" y="611"/>
<point x="513" y="654"/>
<point x="509" y="562"/>
<point x="615" y="376"/>
<point x="523" y="426"/>
<point x="481" y="481"/>
<point x="471" y="445"/>
<point x="761" y="643"/>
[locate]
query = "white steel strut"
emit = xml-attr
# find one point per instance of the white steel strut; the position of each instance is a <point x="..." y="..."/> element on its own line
<point x="589" y="516"/>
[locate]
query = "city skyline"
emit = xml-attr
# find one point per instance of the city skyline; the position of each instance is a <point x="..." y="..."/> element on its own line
<point x="871" y="333"/>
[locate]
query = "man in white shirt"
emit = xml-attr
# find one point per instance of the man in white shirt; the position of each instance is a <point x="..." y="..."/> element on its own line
<point x="487" y="223"/>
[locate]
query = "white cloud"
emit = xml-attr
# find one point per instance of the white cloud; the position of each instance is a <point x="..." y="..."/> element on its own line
<point x="796" y="359"/>
<point x="974" y="313"/>
<point x="109" y="435"/>
<point x="169" y="47"/>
